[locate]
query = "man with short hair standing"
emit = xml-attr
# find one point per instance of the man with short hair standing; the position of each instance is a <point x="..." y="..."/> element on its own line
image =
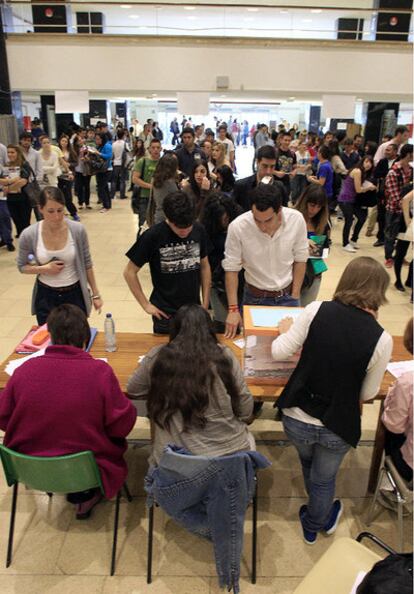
<point x="176" y="251"/>
<point x="119" y="151"/>
<point x="401" y="136"/>
<point x="142" y="176"/>
<point x="286" y="162"/>
<point x="270" y="243"/>
<point x="189" y="153"/>
<point x="266" y="161"/>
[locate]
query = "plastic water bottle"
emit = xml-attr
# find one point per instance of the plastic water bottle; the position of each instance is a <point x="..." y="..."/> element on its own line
<point x="31" y="260"/>
<point x="110" y="338"/>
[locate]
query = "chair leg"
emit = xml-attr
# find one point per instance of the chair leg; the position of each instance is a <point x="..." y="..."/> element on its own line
<point x="150" y="539"/>
<point x="127" y="493"/>
<point x="400" y="506"/>
<point x="118" y="499"/>
<point x="11" y="529"/>
<point x="374" y="499"/>
<point x="254" y="535"/>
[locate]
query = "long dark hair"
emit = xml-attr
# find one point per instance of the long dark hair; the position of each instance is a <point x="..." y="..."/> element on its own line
<point x="194" y="186"/>
<point x="73" y="157"/>
<point x="216" y="206"/>
<point x="185" y="370"/>
<point x="138" y="150"/>
<point x="360" y="165"/>
<point x="314" y="194"/>
<point x="228" y="178"/>
<point x="166" y="169"/>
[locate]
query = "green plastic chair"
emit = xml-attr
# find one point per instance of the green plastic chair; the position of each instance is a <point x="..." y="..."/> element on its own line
<point x="58" y="474"/>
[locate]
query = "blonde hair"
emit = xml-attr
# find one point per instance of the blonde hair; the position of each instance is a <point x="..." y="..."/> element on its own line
<point x="363" y="283"/>
<point x="20" y="155"/>
<point x="223" y="151"/>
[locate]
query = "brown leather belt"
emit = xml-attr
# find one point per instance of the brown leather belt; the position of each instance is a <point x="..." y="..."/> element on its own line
<point x="262" y="293"/>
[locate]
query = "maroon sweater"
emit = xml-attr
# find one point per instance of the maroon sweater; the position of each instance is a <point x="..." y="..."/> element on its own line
<point x="66" y="402"/>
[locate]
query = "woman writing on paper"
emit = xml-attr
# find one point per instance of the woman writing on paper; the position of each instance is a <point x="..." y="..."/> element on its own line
<point x="65" y="402"/>
<point x="344" y="356"/>
<point x="313" y="204"/>
<point x="56" y="250"/>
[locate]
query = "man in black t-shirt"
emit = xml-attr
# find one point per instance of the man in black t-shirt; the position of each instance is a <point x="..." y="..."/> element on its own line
<point x="286" y="162"/>
<point x="176" y="251"/>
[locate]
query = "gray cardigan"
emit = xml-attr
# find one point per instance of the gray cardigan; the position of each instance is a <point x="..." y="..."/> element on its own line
<point x="83" y="260"/>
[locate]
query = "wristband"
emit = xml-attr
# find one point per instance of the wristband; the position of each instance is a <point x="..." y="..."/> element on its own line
<point x="233" y="308"/>
<point x="96" y="296"/>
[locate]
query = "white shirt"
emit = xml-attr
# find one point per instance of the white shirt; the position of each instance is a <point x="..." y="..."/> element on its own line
<point x="289" y="343"/>
<point x="229" y="146"/>
<point x="380" y="154"/>
<point x="267" y="261"/>
<point x="68" y="276"/>
<point x="118" y="148"/>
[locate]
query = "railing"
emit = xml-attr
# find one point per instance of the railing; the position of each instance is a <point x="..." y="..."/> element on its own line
<point x="208" y="20"/>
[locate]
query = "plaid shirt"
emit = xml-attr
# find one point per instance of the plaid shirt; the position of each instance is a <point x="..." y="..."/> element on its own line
<point x="394" y="182"/>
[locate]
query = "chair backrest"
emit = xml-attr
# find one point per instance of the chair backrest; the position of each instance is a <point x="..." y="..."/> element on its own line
<point x="404" y="489"/>
<point x="58" y="474"/>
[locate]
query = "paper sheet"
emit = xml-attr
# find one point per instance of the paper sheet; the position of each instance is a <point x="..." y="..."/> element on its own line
<point x="270" y="317"/>
<point x="240" y="342"/>
<point x="398" y="368"/>
<point x="15" y="363"/>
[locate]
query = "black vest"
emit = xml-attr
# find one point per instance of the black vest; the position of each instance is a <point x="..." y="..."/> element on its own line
<point x="327" y="381"/>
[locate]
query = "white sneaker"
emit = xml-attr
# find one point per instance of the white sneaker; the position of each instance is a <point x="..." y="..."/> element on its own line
<point x="354" y="245"/>
<point x="349" y="248"/>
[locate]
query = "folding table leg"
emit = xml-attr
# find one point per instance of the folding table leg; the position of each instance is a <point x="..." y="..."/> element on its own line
<point x="11" y="529"/>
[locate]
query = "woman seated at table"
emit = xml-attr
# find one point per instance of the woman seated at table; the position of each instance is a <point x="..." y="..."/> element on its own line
<point x="196" y="394"/>
<point x="398" y="418"/>
<point x="62" y="261"/>
<point x="65" y="401"/>
<point x="344" y="356"/>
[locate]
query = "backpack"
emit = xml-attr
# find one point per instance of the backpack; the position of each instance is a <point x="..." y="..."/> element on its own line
<point x="392" y="575"/>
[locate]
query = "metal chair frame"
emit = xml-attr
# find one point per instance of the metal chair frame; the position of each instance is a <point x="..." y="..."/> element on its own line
<point x="254" y="538"/>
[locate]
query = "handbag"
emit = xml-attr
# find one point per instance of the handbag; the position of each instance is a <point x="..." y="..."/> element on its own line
<point x="32" y="189"/>
<point x="94" y="163"/>
<point x="367" y="199"/>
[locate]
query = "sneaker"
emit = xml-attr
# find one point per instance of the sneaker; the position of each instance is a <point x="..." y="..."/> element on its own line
<point x="81" y="206"/>
<point x="89" y="207"/>
<point x="349" y="248"/>
<point x="84" y="510"/>
<point x="308" y="536"/>
<point x="10" y="247"/>
<point x="389" y="263"/>
<point x="76" y="217"/>
<point x="354" y="245"/>
<point x="336" y="513"/>
<point x="378" y="243"/>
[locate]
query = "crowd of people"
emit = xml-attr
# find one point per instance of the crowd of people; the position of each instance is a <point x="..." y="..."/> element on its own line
<point x="212" y="243"/>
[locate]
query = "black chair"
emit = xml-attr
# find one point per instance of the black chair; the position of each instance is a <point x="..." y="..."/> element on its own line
<point x="254" y="538"/>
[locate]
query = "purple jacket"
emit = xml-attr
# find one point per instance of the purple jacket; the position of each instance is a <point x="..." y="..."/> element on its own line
<point x="66" y="402"/>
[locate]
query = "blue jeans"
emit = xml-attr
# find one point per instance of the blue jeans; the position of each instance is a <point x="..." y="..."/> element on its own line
<point x="284" y="300"/>
<point x="5" y="223"/>
<point x="321" y="452"/>
<point x="209" y="497"/>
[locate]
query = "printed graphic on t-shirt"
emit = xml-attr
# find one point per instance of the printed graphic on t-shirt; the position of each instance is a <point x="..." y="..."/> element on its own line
<point x="285" y="163"/>
<point x="180" y="257"/>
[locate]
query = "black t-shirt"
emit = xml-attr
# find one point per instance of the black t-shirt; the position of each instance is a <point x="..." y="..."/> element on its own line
<point x="286" y="160"/>
<point x="174" y="264"/>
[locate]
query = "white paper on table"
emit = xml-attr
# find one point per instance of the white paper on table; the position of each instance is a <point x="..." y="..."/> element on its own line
<point x="358" y="581"/>
<point x="240" y="342"/>
<point x="251" y="341"/>
<point x="15" y="363"/>
<point x="102" y="359"/>
<point x="141" y="358"/>
<point x="398" y="368"/>
<point x="325" y="253"/>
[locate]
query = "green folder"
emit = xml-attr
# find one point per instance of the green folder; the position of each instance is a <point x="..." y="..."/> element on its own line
<point x="318" y="264"/>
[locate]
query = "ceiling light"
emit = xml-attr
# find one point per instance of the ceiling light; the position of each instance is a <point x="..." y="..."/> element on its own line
<point x="316" y="10"/>
<point x="154" y="95"/>
<point x="192" y="18"/>
<point x="133" y="16"/>
<point x="292" y="98"/>
<point x="306" y="20"/>
<point x="358" y="99"/>
<point x="248" y="19"/>
<point x="126" y="5"/>
<point x="189" y="8"/>
<point x="284" y="12"/>
<point x="251" y="9"/>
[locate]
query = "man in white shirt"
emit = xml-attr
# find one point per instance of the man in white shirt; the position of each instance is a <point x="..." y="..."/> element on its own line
<point x="270" y="243"/>
<point x="118" y="173"/>
<point x="222" y="137"/>
<point x="401" y="136"/>
<point x="32" y="157"/>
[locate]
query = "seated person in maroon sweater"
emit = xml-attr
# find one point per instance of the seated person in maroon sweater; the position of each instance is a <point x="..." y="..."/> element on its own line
<point x="65" y="401"/>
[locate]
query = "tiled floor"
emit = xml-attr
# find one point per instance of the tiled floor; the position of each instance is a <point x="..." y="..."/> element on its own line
<point x="55" y="554"/>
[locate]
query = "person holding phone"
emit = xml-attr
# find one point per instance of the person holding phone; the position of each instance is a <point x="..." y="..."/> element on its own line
<point x="57" y="251"/>
<point x="198" y="186"/>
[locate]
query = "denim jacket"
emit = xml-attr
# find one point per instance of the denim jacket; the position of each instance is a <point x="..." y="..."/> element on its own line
<point x="209" y="497"/>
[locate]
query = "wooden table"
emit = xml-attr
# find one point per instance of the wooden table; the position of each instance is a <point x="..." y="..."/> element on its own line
<point x="130" y="346"/>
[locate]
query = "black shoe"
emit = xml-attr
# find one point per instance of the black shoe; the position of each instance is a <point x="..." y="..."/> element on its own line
<point x="10" y="247"/>
<point x="378" y="243"/>
<point x="399" y="287"/>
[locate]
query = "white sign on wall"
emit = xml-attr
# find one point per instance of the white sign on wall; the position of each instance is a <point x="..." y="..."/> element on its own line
<point x="71" y="101"/>
<point x="193" y="103"/>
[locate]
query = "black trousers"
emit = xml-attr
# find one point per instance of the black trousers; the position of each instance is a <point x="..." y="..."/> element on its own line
<point x="161" y="326"/>
<point x="102" y="180"/>
<point x="381" y="219"/>
<point x="48" y="298"/>
<point x="350" y="211"/>
<point x="392" y="228"/>
<point x="83" y="188"/>
<point x="65" y="185"/>
<point x="393" y="444"/>
<point x="20" y="211"/>
<point x="401" y="249"/>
